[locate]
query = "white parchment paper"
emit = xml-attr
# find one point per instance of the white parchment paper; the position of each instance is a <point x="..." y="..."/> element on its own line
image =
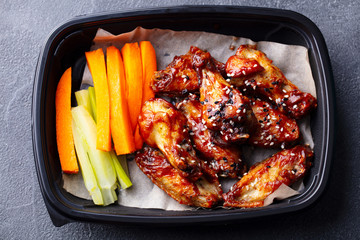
<point x="292" y="60"/>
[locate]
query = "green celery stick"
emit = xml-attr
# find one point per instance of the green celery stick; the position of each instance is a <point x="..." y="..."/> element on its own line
<point x="121" y="159"/>
<point x="86" y="169"/>
<point x="92" y="102"/>
<point x="123" y="179"/>
<point x="101" y="161"/>
<point x="83" y="98"/>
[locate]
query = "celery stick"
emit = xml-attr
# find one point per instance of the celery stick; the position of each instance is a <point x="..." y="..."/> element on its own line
<point x="121" y="168"/>
<point x="101" y="161"/>
<point x="92" y="102"/>
<point x="83" y="98"/>
<point x="123" y="179"/>
<point x="86" y="168"/>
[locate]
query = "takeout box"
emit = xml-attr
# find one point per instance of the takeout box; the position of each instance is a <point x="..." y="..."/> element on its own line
<point x="65" y="48"/>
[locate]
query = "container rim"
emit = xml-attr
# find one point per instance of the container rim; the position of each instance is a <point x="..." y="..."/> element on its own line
<point x="62" y="213"/>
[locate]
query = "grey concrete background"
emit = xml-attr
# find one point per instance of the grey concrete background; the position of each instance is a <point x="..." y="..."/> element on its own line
<point x="25" y="25"/>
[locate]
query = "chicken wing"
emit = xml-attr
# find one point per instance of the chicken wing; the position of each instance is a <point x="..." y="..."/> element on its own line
<point x="164" y="127"/>
<point x="272" y="128"/>
<point x="285" y="167"/>
<point x="224" y="160"/>
<point x="200" y="193"/>
<point x="183" y="74"/>
<point x="224" y="109"/>
<point x="252" y="71"/>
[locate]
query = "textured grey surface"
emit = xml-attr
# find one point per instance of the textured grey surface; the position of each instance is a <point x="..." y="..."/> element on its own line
<point x="25" y="25"/>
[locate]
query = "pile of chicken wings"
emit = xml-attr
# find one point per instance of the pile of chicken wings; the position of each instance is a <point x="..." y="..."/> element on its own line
<point x="204" y="111"/>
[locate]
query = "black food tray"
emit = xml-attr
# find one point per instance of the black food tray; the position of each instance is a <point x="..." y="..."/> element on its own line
<point x="67" y="44"/>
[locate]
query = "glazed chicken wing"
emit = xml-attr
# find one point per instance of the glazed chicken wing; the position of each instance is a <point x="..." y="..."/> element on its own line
<point x="224" y="160"/>
<point x="224" y="109"/>
<point x="252" y="71"/>
<point x="164" y="127"/>
<point x="272" y="128"/>
<point x="285" y="167"/>
<point x="183" y="74"/>
<point x="200" y="193"/>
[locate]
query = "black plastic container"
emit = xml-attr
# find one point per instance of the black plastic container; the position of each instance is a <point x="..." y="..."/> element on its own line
<point x="67" y="44"/>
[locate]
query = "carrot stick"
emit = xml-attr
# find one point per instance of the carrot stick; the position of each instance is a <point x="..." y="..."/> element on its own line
<point x="96" y="62"/>
<point x="134" y="80"/>
<point x="120" y="124"/>
<point x="64" y="134"/>
<point x="148" y="58"/>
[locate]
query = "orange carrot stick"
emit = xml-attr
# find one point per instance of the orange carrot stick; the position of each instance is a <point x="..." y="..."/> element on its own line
<point x="148" y="58"/>
<point x="64" y="135"/>
<point x="134" y="80"/>
<point x="96" y="63"/>
<point x="120" y="124"/>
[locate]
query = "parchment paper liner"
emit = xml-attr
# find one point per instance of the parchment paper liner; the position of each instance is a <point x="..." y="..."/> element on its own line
<point x="292" y="60"/>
